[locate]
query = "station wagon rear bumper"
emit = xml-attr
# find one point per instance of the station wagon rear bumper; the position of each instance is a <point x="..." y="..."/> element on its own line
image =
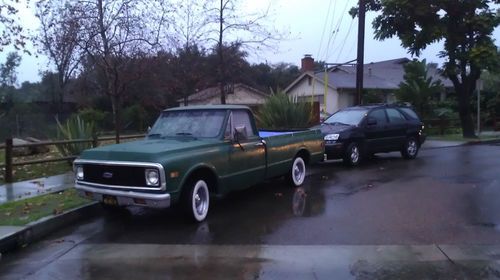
<point x="125" y="198"/>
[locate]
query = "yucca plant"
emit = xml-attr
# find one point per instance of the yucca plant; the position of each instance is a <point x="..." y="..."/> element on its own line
<point x="75" y="128"/>
<point x="282" y="112"/>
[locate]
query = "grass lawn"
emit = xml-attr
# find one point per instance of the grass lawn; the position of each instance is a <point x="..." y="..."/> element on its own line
<point x="22" y="212"/>
<point x="34" y="171"/>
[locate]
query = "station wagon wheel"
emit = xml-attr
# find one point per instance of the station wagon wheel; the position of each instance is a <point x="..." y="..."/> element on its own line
<point x="297" y="174"/>
<point x="352" y="155"/>
<point x="410" y="149"/>
<point x="197" y="200"/>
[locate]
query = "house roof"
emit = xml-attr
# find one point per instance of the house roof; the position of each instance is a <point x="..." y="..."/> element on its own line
<point x="386" y="74"/>
<point x="212" y="92"/>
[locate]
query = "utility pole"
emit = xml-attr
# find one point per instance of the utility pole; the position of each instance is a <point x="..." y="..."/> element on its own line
<point x="361" y="51"/>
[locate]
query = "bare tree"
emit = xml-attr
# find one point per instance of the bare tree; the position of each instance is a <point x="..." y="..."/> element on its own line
<point x="233" y="28"/>
<point x="191" y="26"/>
<point x="111" y="33"/>
<point x="57" y="39"/>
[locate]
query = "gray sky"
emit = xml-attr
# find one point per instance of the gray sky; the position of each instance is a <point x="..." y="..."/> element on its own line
<point x="318" y="27"/>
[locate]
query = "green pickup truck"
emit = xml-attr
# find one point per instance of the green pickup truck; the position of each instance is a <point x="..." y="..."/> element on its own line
<point x="191" y="153"/>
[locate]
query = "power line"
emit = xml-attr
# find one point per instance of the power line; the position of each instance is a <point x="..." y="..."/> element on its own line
<point x="324" y="28"/>
<point x="338" y="24"/>
<point x="345" y="39"/>
<point x="331" y="32"/>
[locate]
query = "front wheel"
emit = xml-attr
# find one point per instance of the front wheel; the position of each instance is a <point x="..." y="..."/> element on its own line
<point x="410" y="149"/>
<point x="352" y="155"/>
<point x="297" y="174"/>
<point x="197" y="200"/>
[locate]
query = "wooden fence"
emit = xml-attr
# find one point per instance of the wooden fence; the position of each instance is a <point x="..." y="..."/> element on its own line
<point x="9" y="147"/>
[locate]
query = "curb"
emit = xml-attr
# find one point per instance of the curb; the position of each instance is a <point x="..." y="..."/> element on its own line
<point x="41" y="228"/>
<point x="479" y="142"/>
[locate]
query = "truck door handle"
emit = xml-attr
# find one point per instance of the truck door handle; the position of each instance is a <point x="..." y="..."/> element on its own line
<point x="259" y="144"/>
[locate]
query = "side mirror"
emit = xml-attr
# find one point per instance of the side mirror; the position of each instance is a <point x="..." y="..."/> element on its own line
<point x="372" y="121"/>
<point x="240" y="133"/>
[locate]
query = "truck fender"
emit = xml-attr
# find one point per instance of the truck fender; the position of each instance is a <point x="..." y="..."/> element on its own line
<point x="202" y="168"/>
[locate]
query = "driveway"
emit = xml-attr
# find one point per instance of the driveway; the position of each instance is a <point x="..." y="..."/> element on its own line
<point x="436" y="216"/>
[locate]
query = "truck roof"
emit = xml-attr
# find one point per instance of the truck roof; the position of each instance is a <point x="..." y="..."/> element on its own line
<point x="208" y="107"/>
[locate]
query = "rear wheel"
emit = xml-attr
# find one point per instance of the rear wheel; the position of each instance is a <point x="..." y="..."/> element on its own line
<point x="297" y="173"/>
<point x="410" y="149"/>
<point x="352" y="155"/>
<point x="196" y="200"/>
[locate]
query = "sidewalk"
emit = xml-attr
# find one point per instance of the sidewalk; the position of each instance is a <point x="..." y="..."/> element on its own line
<point x="13" y="236"/>
<point x="35" y="187"/>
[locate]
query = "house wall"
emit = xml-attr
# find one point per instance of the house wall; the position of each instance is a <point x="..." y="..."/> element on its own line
<point x="241" y="96"/>
<point x="303" y="91"/>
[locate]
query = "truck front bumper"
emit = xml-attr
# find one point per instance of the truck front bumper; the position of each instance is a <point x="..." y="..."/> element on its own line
<point x="125" y="198"/>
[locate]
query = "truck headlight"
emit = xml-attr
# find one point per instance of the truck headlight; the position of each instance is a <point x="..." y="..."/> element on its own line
<point x="79" y="172"/>
<point x="331" y="137"/>
<point x="152" y="177"/>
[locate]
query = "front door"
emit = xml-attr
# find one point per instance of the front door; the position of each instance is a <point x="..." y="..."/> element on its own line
<point x="376" y="132"/>
<point x="247" y="157"/>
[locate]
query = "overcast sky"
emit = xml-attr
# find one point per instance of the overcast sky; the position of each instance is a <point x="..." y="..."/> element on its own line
<point x="321" y="28"/>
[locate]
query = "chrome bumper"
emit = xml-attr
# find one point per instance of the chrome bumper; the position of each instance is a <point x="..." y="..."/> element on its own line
<point x="126" y="198"/>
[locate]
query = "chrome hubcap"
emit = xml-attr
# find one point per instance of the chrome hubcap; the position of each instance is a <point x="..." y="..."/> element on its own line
<point x="354" y="154"/>
<point x="200" y="201"/>
<point x="412" y="147"/>
<point x="298" y="172"/>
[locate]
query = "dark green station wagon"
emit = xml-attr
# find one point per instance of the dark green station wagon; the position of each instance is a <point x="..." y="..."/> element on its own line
<point x="192" y="153"/>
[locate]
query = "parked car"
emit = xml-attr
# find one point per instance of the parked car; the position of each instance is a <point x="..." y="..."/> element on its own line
<point x="359" y="132"/>
<point x="192" y="153"/>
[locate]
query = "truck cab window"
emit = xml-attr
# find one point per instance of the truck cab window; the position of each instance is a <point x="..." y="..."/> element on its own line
<point x="241" y="117"/>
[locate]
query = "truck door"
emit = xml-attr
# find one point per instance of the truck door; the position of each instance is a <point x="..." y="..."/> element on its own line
<point x="247" y="157"/>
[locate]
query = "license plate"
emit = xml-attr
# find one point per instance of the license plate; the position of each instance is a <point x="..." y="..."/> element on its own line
<point x="109" y="200"/>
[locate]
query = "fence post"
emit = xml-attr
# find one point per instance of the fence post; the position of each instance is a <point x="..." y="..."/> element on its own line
<point x="8" y="160"/>
<point x="95" y="141"/>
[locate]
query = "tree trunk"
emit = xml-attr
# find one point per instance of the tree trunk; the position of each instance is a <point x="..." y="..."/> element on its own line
<point x="222" y="75"/>
<point x="465" y="113"/>
<point x="115" y="103"/>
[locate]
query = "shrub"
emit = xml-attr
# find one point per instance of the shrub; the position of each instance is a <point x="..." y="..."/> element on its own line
<point x="75" y="128"/>
<point x="281" y="112"/>
<point x="98" y="117"/>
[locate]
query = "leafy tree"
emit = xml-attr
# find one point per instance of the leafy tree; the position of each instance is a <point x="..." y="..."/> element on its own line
<point x="418" y="88"/>
<point x="8" y="74"/>
<point x="57" y="39"/>
<point x="465" y="27"/>
<point x="12" y="33"/>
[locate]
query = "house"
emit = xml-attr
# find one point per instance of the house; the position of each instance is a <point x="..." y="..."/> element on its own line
<point x="339" y="82"/>
<point x="239" y="94"/>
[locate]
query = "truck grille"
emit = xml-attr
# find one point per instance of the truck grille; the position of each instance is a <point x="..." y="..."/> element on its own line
<point x="132" y="176"/>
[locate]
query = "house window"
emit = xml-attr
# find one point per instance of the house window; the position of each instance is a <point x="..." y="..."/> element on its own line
<point x="309" y="80"/>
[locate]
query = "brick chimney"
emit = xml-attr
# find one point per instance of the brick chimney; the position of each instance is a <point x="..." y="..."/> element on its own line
<point x="307" y="63"/>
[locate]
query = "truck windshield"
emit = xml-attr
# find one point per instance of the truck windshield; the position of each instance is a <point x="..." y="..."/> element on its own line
<point x="346" y="117"/>
<point x="195" y="123"/>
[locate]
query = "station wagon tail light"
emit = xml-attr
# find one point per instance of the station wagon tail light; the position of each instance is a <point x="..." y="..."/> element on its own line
<point x="152" y="177"/>
<point x="331" y="137"/>
<point x="79" y="172"/>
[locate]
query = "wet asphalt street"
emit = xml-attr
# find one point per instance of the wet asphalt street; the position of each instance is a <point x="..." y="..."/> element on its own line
<point x="382" y="220"/>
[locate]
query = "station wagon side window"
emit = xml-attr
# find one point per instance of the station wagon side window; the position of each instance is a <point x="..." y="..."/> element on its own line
<point x="395" y="116"/>
<point x="379" y="115"/>
<point x="241" y="117"/>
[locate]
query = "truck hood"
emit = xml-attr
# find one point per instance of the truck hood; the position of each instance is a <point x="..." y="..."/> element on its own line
<point x="148" y="150"/>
